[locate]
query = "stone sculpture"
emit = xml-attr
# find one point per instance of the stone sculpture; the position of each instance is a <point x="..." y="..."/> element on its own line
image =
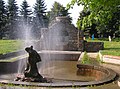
<point x="31" y="73"/>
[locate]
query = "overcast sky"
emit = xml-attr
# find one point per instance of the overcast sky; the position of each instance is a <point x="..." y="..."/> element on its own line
<point x="74" y="12"/>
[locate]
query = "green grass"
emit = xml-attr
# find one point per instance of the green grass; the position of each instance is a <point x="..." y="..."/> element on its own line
<point x="7" y="46"/>
<point x="110" y="48"/>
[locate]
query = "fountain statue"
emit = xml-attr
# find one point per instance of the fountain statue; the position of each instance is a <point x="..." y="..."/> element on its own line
<point x="31" y="71"/>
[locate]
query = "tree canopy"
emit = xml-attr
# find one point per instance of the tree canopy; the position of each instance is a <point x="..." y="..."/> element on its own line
<point x="57" y="10"/>
<point x="40" y="12"/>
<point x="101" y="12"/>
<point x="12" y="18"/>
<point x="3" y="16"/>
<point x="25" y="11"/>
<point x="12" y="9"/>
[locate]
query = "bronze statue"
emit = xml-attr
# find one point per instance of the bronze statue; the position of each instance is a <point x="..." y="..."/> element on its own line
<point x="31" y="73"/>
<point x="34" y="57"/>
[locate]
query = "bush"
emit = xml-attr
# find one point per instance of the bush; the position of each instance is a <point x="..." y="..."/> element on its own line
<point x="86" y="59"/>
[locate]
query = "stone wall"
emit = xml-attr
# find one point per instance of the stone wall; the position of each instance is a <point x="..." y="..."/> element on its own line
<point x="9" y="67"/>
<point x="93" y="46"/>
<point x="61" y="28"/>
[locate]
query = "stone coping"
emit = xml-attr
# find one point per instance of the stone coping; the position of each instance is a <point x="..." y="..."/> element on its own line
<point x="111" y="76"/>
<point x="10" y="57"/>
<point x="59" y="52"/>
<point x="110" y="59"/>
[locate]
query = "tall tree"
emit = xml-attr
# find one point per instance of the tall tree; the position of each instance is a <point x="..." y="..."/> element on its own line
<point x="25" y="19"/>
<point x="40" y="20"/>
<point x="57" y="10"/>
<point x="12" y="9"/>
<point x="40" y="12"/>
<point x="113" y="27"/>
<point x="2" y="18"/>
<point x="25" y="11"/>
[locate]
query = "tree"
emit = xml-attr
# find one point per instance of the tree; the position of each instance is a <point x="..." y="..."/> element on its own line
<point x="2" y="18"/>
<point x="101" y="12"/>
<point x="40" y="13"/>
<point x="40" y="20"/>
<point x="57" y="10"/>
<point x="114" y="24"/>
<point x="25" y="19"/>
<point x="89" y="30"/>
<point x="12" y="10"/>
<point x="25" y="11"/>
<point x="12" y="13"/>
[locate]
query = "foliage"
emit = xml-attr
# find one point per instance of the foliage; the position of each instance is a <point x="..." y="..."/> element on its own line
<point x="40" y="13"/>
<point x="39" y="8"/>
<point x="98" y="59"/>
<point x="12" y="9"/>
<point x="101" y="13"/>
<point x="40" y="19"/>
<point x="112" y="28"/>
<point x="24" y="19"/>
<point x="12" y="12"/>
<point x="3" y="17"/>
<point x="86" y="59"/>
<point x="13" y="18"/>
<point x="25" y="11"/>
<point x="100" y="9"/>
<point x="57" y="10"/>
<point x="114" y="24"/>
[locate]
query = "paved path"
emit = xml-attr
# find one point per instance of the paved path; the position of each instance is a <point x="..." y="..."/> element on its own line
<point x="93" y="55"/>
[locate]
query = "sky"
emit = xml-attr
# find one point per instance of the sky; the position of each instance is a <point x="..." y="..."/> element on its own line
<point x="74" y="12"/>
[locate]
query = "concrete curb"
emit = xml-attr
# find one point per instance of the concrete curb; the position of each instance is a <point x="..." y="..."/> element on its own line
<point x="12" y="54"/>
<point x="110" y="59"/>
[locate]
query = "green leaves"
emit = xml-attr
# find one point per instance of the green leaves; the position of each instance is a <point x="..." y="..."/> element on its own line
<point x="39" y="8"/>
<point x="101" y="13"/>
<point x="41" y="19"/>
<point x="86" y="59"/>
<point x="25" y="11"/>
<point x="99" y="8"/>
<point x="58" y="10"/>
<point x="71" y="4"/>
<point x="12" y="9"/>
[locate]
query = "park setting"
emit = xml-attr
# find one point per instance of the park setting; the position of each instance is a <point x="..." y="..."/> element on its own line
<point x="72" y="44"/>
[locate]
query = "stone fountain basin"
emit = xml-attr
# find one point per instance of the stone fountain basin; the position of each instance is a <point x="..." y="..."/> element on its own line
<point x="65" y="73"/>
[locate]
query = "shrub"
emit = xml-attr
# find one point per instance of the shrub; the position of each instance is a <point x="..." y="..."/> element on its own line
<point x="86" y="59"/>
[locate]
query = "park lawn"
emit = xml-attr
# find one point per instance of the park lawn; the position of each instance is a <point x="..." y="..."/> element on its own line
<point x="110" y="48"/>
<point x="7" y="46"/>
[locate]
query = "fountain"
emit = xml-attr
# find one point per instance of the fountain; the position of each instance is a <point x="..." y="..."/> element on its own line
<point x="59" y="54"/>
